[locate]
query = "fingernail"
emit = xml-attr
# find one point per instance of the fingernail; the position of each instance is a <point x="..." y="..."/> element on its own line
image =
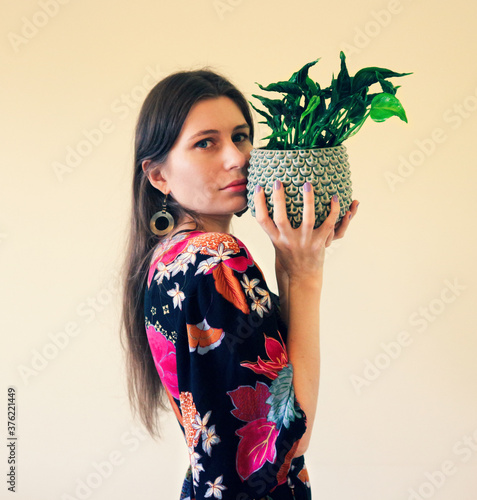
<point x="307" y="187"/>
<point x="258" y="188"/>
<point x="277" y="185"/>
<point x="335" y="198"/>
<point x="350" y="216"/>
<point x="357" y="205"/>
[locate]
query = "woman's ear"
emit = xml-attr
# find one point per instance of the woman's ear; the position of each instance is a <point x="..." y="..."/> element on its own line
<point x="156" y="176"/>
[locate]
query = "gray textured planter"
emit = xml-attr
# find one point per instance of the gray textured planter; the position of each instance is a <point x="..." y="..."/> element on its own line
<point x="326" y="169"/>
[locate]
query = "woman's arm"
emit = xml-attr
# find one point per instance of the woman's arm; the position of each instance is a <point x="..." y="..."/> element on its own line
<point x="299" y="261"/>
<point x="282" y="283"/>
<point x="282" y="276"/>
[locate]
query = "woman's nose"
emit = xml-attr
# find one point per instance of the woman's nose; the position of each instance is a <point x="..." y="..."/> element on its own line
<point x="236" y="157"/>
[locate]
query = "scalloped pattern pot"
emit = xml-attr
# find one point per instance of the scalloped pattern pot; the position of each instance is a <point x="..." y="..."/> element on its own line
<point x="327" y="170"/>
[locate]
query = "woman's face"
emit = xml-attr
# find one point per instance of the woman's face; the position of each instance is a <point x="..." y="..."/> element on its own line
<point x="206" y="169"/>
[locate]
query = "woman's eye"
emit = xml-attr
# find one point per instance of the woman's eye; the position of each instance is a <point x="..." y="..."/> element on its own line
<point x="203" y="143"/>
<point x="240" y="137"/>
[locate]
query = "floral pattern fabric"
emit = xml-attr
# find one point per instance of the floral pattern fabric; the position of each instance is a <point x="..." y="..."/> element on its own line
<point x="219" y="347"/>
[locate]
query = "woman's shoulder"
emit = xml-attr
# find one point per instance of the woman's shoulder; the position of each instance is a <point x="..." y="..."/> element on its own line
<point x="197" y="249"/>
<point x="210" y="243"/>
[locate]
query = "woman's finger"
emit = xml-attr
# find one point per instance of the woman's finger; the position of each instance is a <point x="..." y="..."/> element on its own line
<point x="342" y="226"/>
<point x="279" y="207"/>
<point x="308" y="220"/>
<point x="328" y="225"/>
<point x="261" y="213"/>
<point x="330" y="238"/>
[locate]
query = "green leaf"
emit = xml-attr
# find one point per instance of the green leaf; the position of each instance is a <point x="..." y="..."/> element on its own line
<point x="387" y="87"/>
<point x="343" y="82"/>
<point x="313" y="87"/>
<point x="368" y="76"/>
<point x="312" y="105"/>
<point x="274" y="106"/>
<point x="265" y="115"/>
<point x="357" y="110"/>
<point x="282" y="399"/>
<point x="299" y="76"/>
<point x="284" y="87"/>
<point x="277" y="134"/>
<point x="384" y="105"/>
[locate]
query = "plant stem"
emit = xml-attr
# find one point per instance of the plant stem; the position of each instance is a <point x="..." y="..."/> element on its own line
<point x="355" y="128"/>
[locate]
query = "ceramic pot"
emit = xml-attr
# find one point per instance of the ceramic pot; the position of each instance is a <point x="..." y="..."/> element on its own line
<point x="326" y="169"/>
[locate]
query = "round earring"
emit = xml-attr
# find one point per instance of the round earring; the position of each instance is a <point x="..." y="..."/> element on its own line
<point x="162" y="222"/>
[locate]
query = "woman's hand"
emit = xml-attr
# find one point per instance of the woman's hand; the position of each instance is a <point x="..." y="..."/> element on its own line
<point x="300" y="252"/>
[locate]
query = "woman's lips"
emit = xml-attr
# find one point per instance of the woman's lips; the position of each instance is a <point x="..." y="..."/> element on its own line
<point x="236" y="186"/>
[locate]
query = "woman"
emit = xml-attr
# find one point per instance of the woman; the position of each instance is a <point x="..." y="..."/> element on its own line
<point x="238" y="364"/>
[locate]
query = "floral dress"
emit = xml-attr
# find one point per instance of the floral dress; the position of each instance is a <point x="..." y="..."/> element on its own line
<point x="219" y="346"/>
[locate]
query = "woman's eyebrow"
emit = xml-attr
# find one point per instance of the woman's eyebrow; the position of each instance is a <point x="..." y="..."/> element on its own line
<point x="213" y="131"/>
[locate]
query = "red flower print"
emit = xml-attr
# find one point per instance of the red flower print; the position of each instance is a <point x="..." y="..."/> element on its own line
<point x="277" y="353"/>
<point x="258" y="436"/>
<point x="250" y="404"/>
<point x="164" y="354"/>
<point x="257" y="445"/>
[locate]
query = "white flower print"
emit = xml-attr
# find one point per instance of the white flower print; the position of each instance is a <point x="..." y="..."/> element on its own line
<point x="207" y="265"/>
<point x="199" y="424"/>
<point x="257" y="305"/>
<point x="249" y="285"/>
<point x="209" y="438"/>
<point x="266" y="297"/>
<point x="196" y="468"/>
<point x="177" y="296"/>
<point x="216" y="488"/>
<point x="221" y="253"/>
<point x="162" y="272"/>
<point x="177" y="266"/>
<point x="189" y="255"/>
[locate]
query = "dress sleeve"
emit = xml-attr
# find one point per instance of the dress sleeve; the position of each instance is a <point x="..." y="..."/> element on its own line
<point x="233" y="385"/>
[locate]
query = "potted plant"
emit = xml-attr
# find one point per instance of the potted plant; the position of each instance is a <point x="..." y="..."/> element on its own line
<point x="309" y="125"/>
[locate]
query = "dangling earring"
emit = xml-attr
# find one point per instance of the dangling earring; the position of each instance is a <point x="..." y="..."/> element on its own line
<point x="162" y="222"/>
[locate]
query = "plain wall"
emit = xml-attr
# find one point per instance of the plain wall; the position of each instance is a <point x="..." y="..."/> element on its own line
<point x="405" y="272"/>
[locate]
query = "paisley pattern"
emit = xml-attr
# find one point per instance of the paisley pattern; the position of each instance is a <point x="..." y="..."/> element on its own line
<point x="219" y="347"/>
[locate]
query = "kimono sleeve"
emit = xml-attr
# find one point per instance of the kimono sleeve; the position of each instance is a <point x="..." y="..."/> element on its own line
<point x="240" y="416"/>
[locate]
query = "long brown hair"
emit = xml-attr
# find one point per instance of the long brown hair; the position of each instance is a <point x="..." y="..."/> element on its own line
<point x="159" y="124"/>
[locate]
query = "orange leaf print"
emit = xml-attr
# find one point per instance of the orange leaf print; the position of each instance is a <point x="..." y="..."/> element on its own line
<point x="203" y="337"/>
<point x="285" y="468"/>
<point x="303" y="475"/>
<point x="229" y="287"/>
<point x="174" y="406"/>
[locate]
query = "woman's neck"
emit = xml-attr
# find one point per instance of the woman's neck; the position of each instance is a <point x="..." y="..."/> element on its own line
<point x="207" y="223"/>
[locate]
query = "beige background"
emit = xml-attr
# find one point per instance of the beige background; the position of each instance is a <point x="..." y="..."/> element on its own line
<point x="406" y="265"/>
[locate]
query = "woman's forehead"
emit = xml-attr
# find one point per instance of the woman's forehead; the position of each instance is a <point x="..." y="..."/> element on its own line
<point x="214" y="112"/>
